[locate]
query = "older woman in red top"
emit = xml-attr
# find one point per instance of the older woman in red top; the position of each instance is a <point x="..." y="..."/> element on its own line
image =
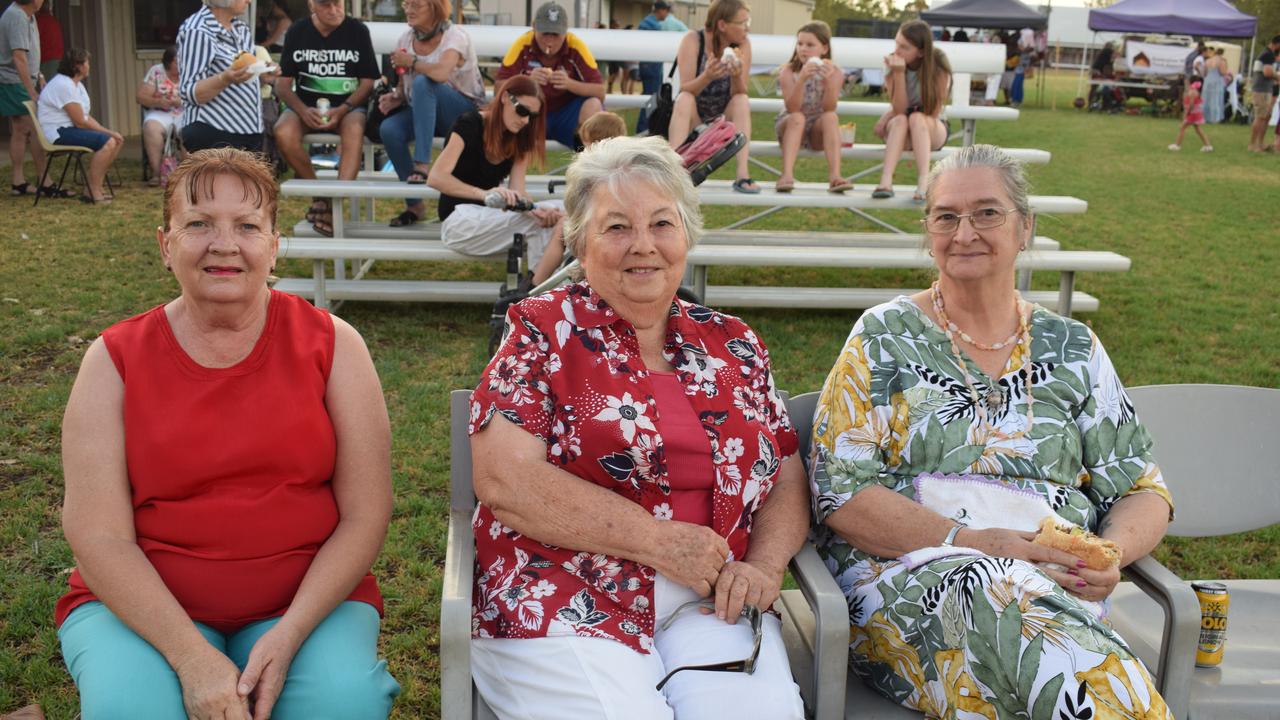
<point x="227" y="485"/>
<point x="632" y="458"/>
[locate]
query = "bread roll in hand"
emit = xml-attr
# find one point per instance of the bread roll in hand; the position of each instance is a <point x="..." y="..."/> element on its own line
<point x="1097" y="553"/>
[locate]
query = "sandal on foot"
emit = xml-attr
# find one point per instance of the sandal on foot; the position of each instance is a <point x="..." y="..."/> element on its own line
<point x="839" y="185"/>
<point x="417" y="177"/>
<point x="917" y="197"/>
<point x="319" y="206"/>
<point x="323" y="224"/>
<point x="22" y="189"/>
<point x="785" y="186"/>
<point x="882" y="193"/>
<point x="404" y="219"/>
<point x="50" y="191"/>
<point x="746" y="186"/>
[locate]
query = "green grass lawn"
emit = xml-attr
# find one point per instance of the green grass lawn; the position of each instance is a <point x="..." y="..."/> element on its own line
<point x="1195" y="307"/>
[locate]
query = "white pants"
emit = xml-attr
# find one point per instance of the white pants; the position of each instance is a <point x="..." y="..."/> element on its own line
<point x="580" y="677"/>
<point x="484" y="231"/>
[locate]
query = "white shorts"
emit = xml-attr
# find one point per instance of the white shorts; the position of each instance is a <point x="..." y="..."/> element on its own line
<point x="487" y="232"/>
<point x="166" y="119"/>
<point x="582" y="677"/>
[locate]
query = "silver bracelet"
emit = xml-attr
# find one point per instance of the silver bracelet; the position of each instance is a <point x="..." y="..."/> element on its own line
<point x="951" y="535"/>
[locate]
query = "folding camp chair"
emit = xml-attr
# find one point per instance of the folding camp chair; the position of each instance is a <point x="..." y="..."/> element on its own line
<point x="52" y="152"/>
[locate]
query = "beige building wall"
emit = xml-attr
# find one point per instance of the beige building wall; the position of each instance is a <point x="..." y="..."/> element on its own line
<point x="779" y="17"/>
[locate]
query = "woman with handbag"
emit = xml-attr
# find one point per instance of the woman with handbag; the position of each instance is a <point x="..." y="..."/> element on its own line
<point x="714" y="64"/>
<point x="439" y="80"/>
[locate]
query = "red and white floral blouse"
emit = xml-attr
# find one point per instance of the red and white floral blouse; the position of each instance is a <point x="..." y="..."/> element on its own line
<point x="570" y="373"/>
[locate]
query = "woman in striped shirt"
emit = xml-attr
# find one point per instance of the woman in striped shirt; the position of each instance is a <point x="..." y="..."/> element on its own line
<point x="220" y="107"/>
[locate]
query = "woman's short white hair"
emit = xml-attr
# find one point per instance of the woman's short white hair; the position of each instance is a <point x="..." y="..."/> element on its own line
<point x="618" y="163"/>
<point x="219" y="3"/>
<point x="1010" y="170"/>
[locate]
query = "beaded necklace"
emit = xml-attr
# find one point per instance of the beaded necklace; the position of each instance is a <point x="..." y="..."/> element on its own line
<point x="994" y="396"/>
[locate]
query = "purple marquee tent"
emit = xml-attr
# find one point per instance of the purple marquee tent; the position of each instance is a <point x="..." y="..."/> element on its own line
<point x="1212" y="18"/>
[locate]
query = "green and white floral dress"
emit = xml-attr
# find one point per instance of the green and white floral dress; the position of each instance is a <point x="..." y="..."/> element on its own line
<point x="964" y="635"/>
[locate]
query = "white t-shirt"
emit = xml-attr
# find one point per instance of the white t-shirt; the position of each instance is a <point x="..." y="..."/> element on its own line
<point x="466" y="77"/>
<point x="51" y="111"/>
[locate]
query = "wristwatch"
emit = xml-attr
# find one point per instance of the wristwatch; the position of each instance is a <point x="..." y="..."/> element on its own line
<point x="347" y="104"/>
<point x="951" y="535"/>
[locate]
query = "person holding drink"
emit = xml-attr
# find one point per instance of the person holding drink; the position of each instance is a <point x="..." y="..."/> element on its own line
<point x="327" y="71"/>
<point x="439" y="79"/>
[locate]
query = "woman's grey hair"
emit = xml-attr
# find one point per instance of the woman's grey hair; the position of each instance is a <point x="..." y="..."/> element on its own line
<point x="1011" y="173"/>
<point x="219" y="3"/>
<point x="617" y="163"/>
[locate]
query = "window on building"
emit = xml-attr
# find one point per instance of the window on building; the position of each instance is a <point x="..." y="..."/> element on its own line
<point x="156" y="22"/>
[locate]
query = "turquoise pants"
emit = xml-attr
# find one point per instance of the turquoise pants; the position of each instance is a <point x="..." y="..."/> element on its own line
<point x="335" y="675"/>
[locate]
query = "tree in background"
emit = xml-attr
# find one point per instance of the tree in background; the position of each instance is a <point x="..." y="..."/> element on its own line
<point x="830" y="11"/>
<point x="1268" y="14"/>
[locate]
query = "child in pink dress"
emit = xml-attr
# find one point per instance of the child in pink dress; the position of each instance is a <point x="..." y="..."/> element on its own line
<point x="1193" y="117"/>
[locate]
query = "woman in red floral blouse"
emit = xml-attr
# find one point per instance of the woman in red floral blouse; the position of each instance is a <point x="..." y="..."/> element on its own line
<point x="631" y="455"/>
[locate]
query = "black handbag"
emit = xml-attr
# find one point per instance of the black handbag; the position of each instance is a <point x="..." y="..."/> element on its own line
<point x="374" y="118"/>
<point x="661" y="104"/>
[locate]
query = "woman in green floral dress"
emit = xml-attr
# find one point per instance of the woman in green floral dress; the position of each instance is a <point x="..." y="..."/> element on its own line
<point x="953" y="422"/>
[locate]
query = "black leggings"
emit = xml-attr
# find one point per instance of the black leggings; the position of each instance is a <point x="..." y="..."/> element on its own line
<point x="202" y="136"/>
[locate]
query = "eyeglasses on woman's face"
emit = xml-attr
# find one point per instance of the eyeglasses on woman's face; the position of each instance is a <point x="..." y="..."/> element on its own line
<point x="521" y="110"/>
<point x="746" y="665"/>
<point x="745" y="22"/>
<point x="945" y="222"/>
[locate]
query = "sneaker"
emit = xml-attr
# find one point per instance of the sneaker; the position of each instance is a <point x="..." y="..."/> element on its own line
<point x="1175" y="147"/>
<point x="1207" y="148"/>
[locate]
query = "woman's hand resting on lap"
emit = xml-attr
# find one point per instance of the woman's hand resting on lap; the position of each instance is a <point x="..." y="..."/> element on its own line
<point x="743" y="583"/>
<point x="265" y="673"/>
<point x="1002" y="542"/>
<point x="208" y="680"/>
<point x="689" y="554"/>
<point x="1086" y="583"/>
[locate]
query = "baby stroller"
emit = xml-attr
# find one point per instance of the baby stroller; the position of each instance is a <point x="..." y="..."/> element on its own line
<point x="709" y="146"/>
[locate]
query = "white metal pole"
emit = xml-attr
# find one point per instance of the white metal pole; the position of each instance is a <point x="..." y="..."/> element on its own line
<point x="1084" y="65"/>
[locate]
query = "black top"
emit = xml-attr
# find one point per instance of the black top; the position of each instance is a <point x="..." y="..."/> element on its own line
<point x="472" y="168"/>
<point x="330" y="67"/>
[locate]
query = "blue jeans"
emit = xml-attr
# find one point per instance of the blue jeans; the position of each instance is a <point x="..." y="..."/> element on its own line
<point x="92" y="139"/>
<point x="434" y="108"/>
<point x="651" y="82"/>
<point x="336" y="673"/>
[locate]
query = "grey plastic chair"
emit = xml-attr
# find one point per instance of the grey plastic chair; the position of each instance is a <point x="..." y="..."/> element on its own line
<point x="818" y="642"/>
<point x="1219" y="450"/>
<point x="459" y="699"/>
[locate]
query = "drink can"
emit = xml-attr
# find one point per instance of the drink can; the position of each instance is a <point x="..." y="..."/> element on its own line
<point x="1214" y="601"/>
<point x="322" y="106"/>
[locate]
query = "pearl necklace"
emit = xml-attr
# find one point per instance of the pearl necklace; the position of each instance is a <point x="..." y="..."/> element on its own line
<point x="1022" y="336"/>
<point x="938" y="306"/>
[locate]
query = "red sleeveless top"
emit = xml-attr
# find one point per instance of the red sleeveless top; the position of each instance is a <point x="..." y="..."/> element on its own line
<point x="230" y="469"/>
